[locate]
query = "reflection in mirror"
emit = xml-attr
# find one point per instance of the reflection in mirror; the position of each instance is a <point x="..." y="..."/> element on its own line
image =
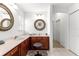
<point x="5" y="23"/>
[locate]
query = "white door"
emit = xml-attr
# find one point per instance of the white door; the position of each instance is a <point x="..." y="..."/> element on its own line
<point x="74" y="32"/>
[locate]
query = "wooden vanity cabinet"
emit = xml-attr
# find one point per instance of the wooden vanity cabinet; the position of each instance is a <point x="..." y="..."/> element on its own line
<point x="43" y="40"/>
<point x="22" y="48"/>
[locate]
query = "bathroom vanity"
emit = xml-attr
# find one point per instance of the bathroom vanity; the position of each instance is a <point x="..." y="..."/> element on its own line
<point x="20" y="47"/>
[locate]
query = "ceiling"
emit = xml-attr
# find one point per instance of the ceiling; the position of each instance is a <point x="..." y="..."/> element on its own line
<point x="33" y="6"/>
<point x="62" y="7"/>
<point x="58" y="7"/>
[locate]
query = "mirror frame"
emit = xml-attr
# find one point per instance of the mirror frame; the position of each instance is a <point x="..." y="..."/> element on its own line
<point x="40" y="29"/>
<point x="11" y="18"/>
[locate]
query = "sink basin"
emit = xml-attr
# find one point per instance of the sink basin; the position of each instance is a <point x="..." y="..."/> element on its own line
<point x="1" y="42"/>
<point x="19" y="37"/>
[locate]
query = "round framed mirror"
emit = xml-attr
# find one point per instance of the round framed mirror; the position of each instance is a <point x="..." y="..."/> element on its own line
<point x="39" y="24"/>
<point x="6" y="18"/>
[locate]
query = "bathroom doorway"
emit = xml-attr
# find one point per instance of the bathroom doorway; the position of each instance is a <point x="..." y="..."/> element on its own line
<point x="60" y="29"/>
<point x="57" y="35"/>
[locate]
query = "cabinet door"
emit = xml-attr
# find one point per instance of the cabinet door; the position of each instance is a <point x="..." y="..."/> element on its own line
<point x="27" y="45"/>
<point x="23" y="48"/>
<point x="45" y="42"/>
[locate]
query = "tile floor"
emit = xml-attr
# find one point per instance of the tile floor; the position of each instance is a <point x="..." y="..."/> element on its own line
<point x="56" y="44"/>
<point x="58" y="52"/>
<point x="61" y="52"/>
<point x="34" y="52"/>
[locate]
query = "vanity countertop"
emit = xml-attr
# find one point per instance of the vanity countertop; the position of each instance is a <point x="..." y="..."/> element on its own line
<point x="10" y="44"/>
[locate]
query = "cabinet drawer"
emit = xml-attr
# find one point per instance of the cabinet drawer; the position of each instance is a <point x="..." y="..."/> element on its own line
<point x="36" y="37"/>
